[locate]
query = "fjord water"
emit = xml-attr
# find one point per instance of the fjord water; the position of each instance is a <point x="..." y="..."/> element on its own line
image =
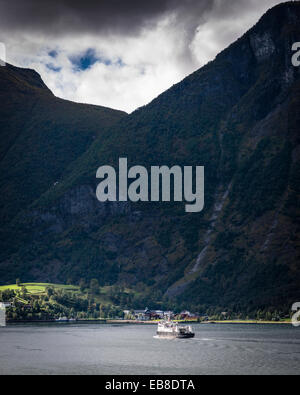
<point x="133" y="349"/>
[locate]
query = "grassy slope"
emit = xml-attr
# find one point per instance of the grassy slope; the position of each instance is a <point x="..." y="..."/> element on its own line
<point x="39" y="289"/>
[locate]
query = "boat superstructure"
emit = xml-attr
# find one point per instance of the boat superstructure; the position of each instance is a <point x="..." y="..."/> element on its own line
<point x="170" y="329"/>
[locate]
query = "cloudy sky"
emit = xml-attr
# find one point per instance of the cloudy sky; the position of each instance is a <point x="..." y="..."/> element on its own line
<point x="120" y="53"/>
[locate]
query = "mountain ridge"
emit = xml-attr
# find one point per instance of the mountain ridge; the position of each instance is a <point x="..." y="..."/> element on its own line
<point x="34" y="121"/>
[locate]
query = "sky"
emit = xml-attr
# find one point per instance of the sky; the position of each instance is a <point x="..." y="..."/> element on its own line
<point x="120" y="53"/>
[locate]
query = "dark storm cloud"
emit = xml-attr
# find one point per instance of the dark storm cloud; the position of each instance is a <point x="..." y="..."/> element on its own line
<point x="120" y="53"/>
<point x="90" y="16"/>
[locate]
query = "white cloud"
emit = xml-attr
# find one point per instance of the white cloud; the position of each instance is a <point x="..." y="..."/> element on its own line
<point x="150" y="62"/>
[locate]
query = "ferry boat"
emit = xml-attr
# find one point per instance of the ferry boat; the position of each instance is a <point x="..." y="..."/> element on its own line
<point x="62" y="319"/>
<point x="172" y="330"/>
<point x="65" y="319"/>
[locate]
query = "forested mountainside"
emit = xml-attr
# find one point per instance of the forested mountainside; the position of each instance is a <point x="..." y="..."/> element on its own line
<point x="41" y="135"/>
<point x="238" y="116"/>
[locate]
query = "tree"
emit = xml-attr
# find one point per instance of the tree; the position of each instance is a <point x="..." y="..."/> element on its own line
<point x="101" y="311"/>
<point x="94" y="286"/>
<point x="49" y="291"/>
<point x="18" y="282"/>
<point x="82" y="285"/>
<point x="268" y="316"/>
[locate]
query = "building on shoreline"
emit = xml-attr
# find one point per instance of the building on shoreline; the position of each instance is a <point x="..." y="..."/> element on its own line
<point x="148" y="315"/>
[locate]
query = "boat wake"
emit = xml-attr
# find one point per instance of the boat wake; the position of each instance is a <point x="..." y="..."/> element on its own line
<point x="163" y="338"/>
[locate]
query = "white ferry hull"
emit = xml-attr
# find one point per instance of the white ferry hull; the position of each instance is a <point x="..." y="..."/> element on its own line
<point x="171" y="330"/>
<point x="167" y="335"/>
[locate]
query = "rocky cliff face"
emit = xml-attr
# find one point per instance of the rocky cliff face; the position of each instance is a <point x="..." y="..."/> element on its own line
<point x="238" y="116"/>
<point x="79" y="206"/>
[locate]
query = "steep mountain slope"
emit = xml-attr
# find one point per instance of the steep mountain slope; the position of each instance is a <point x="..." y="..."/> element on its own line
<point x="238" y="116"/>
<point x="40" y="136"/>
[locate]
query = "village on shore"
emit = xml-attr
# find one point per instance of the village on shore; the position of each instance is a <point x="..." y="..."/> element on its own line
<point x="154" y="315"/>
<point x="43" y="302"/>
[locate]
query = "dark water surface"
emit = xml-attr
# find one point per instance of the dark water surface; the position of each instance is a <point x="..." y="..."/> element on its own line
<point x="133" y="349"/>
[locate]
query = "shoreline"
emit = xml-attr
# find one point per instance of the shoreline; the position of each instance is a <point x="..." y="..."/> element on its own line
<point x="252" y="322"/>
<point x="132" y="322"/>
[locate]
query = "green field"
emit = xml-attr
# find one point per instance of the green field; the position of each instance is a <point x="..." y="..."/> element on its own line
<point x="40" y="288"/>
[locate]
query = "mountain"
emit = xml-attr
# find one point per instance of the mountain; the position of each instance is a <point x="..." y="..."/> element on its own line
<point x="238" y="116"/>
<point x="41" y="135"/>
